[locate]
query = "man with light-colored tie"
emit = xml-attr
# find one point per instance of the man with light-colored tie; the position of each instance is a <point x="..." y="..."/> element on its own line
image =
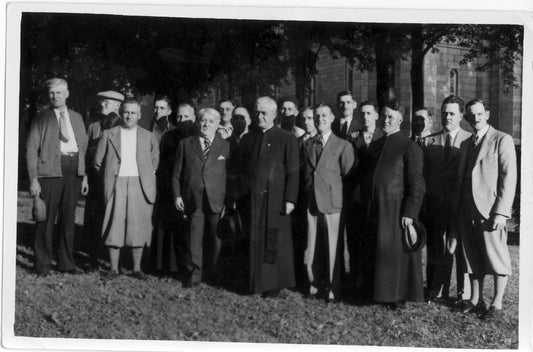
<point x="346" y="127"/>
<point x="327" y="161"/>
<point x="55" y="155"/>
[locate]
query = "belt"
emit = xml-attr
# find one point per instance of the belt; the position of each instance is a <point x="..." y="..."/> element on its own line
<point x="71" y="154"/>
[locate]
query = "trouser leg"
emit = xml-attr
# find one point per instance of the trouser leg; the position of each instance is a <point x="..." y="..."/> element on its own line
<point x="71" y="191"/>
<point x="44" y="231"/>
<point x="195" y="239"/>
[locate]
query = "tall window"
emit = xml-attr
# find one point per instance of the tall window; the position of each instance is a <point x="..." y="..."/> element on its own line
<point x="310" y="91"/>
<point x="453" y="84"/>
<point x="349" y="76"/>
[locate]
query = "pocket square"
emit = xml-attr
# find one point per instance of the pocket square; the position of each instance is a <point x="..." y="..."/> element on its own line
<point x="221" y="157"/>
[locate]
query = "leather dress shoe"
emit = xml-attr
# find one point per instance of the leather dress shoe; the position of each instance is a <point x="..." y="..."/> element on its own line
<point x="395" y="305"/>
<point x="188" y="283"/>
<point x="437" y="300"/>
<point x="75" y="271"/>
<point x="469" y="307"/>
<point x="110" y="275"/>
<point x="493" y="314"/>
<point x="140" y="275"/>
<point x="270" y="294"/>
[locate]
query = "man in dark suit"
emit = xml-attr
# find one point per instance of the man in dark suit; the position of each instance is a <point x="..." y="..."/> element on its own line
<point x="422" y="122"/>
<point x="162" y="122"/>
<point x="108" y="117"/>
<point x="199" y="188"/>
<point x="441" y="161"/>
<point x="327" y="161"/>
<point x="55" y="155"/>
<point x="358" y="195"/>
<point x="484" y="199"/>
<point x="168" y="245"/>
<point x="269" y="167"/>
<point x="346" y="126"/>
<point x="398" y="192"/>
<point x="127" y="157"/>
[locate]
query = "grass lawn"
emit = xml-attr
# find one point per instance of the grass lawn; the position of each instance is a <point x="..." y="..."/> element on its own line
<point x="86" y="306"/>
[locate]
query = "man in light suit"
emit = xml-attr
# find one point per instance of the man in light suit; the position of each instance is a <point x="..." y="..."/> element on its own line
<point x="127" y="156"/>
<point x="347" y="126"/>
<point x="199" y="187"/>
<point x="486" y="189"/>
<point x="55" y="155"/>
<point x="327" y="160"/>
<point x="441" y="161"/>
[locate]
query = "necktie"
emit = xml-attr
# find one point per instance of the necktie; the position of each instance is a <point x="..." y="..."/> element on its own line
<point x="63" y="131"/>
<point x="207" y="147"/>
<point x="344" y="129"/>
<point x="476" y="140"/>
<point x="447" y="147"/>
<point x="319" y="147"/>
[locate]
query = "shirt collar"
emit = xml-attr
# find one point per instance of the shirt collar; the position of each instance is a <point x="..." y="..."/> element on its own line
<point x="482" y="133"/>
<point x="210" y="140"/>
<point x="452" y="134"/>
<point x="325" y="136"/>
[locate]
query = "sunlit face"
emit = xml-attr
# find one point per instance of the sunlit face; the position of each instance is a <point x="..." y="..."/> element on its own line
<point x="131" y="114"/>
<point x="58" y="96"/>
<point x="369" y="116"/>
<point x="225" y="109"/>
<point x="161" y="108"/>
<point x="309" y="121"/>
<point x="391" y="120"/>
<point x="346" y="105"/>
<point x="186" y="113"/>
<point x="323" y="119"/>
<point x="209" y="124"/>
<point x="265" y="114"/>
<point x="451" y="117"/>
<point x="477" y="116"/>
<point x="289" y="109"/>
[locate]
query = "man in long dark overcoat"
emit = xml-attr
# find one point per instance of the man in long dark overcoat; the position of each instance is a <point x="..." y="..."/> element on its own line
<point x="268" y="163"/>
<point x="398" y="191"/>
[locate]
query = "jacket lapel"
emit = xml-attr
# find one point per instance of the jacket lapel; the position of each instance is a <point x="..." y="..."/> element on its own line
<point x="215" y="149"/>
<point x="310" y="146"/>
<point x="196" y="147"/>
<point x="327" y="149"/>
<point x="485" y="144"/>
<point x="115" y="140"/>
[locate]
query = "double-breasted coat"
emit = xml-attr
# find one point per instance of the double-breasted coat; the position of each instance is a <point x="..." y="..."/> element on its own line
<point x="269" y="167"/>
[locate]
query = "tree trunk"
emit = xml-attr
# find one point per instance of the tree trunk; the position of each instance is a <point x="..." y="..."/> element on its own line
<point x="417" y="66"/>
<point x="385" y="91"/>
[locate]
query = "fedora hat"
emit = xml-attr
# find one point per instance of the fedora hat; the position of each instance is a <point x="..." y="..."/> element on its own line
<point x="230" y="226"/>
<point x="39" y="209"/>
<point x="419" y="231"/>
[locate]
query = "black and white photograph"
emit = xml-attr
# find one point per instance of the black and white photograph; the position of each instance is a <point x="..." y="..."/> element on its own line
<point x="184" y="177"/>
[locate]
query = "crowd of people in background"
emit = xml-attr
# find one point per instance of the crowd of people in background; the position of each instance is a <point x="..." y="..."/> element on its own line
<point x="309" y="186"/>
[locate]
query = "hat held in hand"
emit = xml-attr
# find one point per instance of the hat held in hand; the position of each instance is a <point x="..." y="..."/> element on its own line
<point x="414" y="237"/>
<point x="39" y="209"/>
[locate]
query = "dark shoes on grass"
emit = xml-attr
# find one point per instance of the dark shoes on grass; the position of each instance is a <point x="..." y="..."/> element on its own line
<point x="139" y="275"/>
<point x="493" y="314"/>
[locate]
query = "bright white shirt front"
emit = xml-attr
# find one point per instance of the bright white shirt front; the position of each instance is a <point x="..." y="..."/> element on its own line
<point x="128" y="152"/>
<point x="71" y="146"/>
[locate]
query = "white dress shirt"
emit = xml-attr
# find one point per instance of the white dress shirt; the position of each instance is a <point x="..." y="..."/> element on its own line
<point x="71" y="146"/>
<point x="128" y="152"/>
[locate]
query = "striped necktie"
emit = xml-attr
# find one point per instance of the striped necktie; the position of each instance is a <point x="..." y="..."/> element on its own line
<point x="63" y="131"/>
<point x="319" y="147"/>
<point x="207" y="147"/>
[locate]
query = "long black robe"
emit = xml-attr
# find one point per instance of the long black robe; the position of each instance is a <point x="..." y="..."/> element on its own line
<point x="398" y="191"/>
<point x="268" y="165"/>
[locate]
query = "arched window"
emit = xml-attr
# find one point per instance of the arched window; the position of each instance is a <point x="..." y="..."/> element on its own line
<point x="453" y="83"/>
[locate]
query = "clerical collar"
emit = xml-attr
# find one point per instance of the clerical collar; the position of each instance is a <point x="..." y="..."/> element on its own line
<point x="390" y="134"/>
<point x="265" y="130"/>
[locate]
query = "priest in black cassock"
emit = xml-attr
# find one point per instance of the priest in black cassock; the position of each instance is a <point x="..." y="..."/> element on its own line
<point x="398" y="191"/>
<point x="268" y="163"/>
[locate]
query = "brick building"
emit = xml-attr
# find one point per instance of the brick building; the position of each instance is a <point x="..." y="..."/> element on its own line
<point x="443" y="76"/>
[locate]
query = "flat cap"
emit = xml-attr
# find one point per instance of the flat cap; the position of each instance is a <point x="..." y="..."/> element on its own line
<point x="111" y="94"/>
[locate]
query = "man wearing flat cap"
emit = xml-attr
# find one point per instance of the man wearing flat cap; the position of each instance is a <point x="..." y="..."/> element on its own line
<point x="109" y="102"/>
<point x="55" y="155"/>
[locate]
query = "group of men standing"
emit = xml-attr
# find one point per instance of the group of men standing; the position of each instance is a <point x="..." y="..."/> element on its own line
<point x="304" y="183"/>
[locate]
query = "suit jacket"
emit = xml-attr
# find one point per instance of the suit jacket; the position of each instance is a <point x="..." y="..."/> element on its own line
<point x="192" y="174"/>
<point x="440" y="174"/>
<point x="43" y="153"/>
<point x="324" y="179"/>
<point x="494" y="174"/>
<point x="94" y="132"/>
<point x="107" y="161"/>
<point x="354" y="127"/>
